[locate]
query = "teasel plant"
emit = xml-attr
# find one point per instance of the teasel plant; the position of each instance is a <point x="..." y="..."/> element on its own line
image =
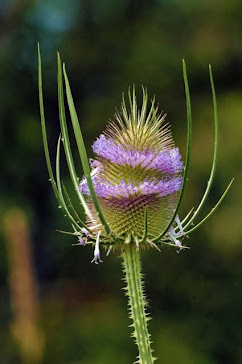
<point x="131" y="192"/>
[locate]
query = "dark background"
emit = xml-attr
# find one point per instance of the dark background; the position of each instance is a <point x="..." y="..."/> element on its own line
<point x="195" y="296"/>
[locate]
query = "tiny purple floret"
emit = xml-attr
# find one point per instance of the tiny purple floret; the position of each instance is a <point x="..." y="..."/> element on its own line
<point x="97" y="258"/>
<point x="86" y="232"/>
<point x="82" y="241"/>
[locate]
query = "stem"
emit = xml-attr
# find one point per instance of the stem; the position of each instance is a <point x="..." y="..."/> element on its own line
<point x="137" y="303"/>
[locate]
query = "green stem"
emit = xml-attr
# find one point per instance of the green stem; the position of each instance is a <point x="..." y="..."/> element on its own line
<point x="137" y="302"/>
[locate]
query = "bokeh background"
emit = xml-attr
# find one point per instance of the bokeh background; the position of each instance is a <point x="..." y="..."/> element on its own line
<point x="56" y="307"/>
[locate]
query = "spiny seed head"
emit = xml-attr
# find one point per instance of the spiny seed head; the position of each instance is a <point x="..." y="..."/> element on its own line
<point x="136" y="169"/>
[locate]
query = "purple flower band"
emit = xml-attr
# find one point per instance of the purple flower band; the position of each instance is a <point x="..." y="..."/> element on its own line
<point x="103" y="189"/>
<point x="168" y="160"/>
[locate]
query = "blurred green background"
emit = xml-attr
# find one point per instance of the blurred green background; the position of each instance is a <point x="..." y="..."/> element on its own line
<point x="78" y="309"/>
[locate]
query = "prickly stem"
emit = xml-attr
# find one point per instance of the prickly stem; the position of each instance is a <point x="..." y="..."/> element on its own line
<point x="137" y="302"/>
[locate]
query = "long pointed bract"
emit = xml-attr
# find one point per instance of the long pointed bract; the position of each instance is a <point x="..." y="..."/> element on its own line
<point x="57" y="191"/>
<point x="213" y="209"/>
<point x="82" y="152"/>
<point x="212" y="173"/>
<point x="143" y="240"/>
<point x="43" y="127"/>
<point x="69" y="202"/>
<point x="61" y="197"/>
<point x="188" y="151"/>
<point x="66" y="141"/>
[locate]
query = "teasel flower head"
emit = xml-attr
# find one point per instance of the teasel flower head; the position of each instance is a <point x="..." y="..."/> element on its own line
<point x="137" y="171"/>
<point x="136" y="182"/>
